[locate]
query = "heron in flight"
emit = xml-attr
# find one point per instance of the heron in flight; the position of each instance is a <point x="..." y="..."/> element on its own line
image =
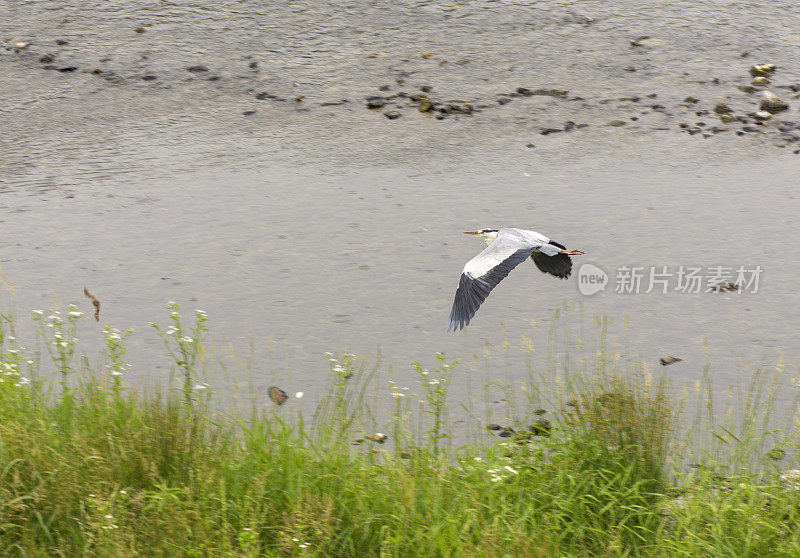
<point x="506" y="249"/>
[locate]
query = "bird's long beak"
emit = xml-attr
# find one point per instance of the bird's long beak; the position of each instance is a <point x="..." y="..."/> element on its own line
<point x="469" y="232"/>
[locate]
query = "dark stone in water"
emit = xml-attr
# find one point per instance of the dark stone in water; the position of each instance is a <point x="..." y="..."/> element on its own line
<point x="392" y="114"/>
<point x="569" y="125"/>
<point x="197" y="69"/>
<point x="560" y="93"/>
<point x="503" y="101"/>
<point x="67" y="68"/>
<point x="253" y="65"/>
<point x="384" y="88"/>
<point x="149" y="77"/>
<point x="62" y="42"/>
<point x="213" y="78"/>
<point x="493" y="426"/>
<point x="530" y="145"/>
<point x="426" y="88"/>
<point x="334" y="103"/>
<point x="541" y="427"/>
<point x="506" y="433"/>
<point x="375" y="102"/>
<point x="47" y="58"/>
<point x="248" y="112"/>
<point x="548" y="131"/>
<point x="264" y="96"/>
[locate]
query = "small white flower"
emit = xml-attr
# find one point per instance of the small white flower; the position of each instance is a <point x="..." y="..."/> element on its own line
<point x="304" y="545"/>
<point x="109" y="516"/>
<point x="187" y="339"/>
<point x="295" y="539"/>
<point x="479" y="458"/>
<point x="511" y="470"/>
<point x="37" y="312"/>
<point x="123" y="491"/>
<point x="199" y="387"/>
<point x="75" y="313"/>
<point x="299" y="395"/>
<point x="116" y="373"/>
<point x="398" y="395"/>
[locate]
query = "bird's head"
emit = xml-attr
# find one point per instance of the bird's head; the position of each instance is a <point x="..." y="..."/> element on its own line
<point x="488" y="234"/>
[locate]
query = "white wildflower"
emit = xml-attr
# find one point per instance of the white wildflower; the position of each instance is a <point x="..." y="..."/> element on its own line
<point x="299" y="395"/>
<point x="511" y="470"/>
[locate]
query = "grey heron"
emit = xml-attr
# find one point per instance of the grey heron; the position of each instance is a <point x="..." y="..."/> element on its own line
<point x="505" y="249"/>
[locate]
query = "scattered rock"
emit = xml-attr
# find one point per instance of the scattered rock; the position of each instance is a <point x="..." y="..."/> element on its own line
<point x="426" y="88"/>
<point x="140" y="29"/>
<point x="392" y="114"/>
<point x="96" y="71"/>
<point x="762" y="69"/>
<point x="62" y="42"/>
<point x="334" y="103"/>
<point x="548" y="131"/>
<point x="253" y="65"/>
<point x="384" y="88"/>
<point x="760" y="81"/>
<point x="691" y="100"/>
<point x="149" y="77"/>
<point x="494" y="426"/>
<point x="506" y="432"/>
<point x="20" y="45"/>
<point x="771" y="103"/>
<point x="666" y="361"/>
<point x="541" y="427"/>
<point x="425" y="105"/>
<point x="616" y="123"/>
<point x="375" y="102"/>
<point x="47" y="58"/>
<point x="67" y="69"/>
<point x="722" y="108"/>
<point x="197" y="69"/>
<point x="560" y="93"/>
<point x="277" y="395"/>
<point x="263" y="96"/>
<point x="427" y="54"/>
<point x="726" y="287"/>
<point x="761" y="116"/>
<point x="647" y="41"/>
<point x="378" y="437"/>
<point x="248" y="112"/>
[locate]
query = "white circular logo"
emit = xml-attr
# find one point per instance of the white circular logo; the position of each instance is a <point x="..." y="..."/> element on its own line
<point x="591" y="279"/>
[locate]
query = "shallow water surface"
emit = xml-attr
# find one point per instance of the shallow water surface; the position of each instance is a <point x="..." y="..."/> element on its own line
<point x="315" y="224"/>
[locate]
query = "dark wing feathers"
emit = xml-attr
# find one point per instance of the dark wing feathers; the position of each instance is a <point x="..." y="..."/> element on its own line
<point x="472" y="291"/>
<point x="559" y="265"/>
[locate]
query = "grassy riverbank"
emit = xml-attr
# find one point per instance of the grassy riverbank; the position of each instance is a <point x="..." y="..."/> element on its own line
<point x="90" y="468"/>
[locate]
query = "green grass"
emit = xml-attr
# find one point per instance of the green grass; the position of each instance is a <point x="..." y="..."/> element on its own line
<point x="90" y="468"/>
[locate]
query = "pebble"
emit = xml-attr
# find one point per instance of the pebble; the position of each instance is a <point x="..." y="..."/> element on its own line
<point x="771" y="103"/>
<point x="62" y="42"/>
<point x="197" y="69"/>
<point x="392" y="114"/>
<point x="762" y="69"/>
<point x="722" y="108"/>
<point x="375" y="102"/>
<point x="47" y="58"/>
<point x="616" y="123"/>
<point x="248" y="112"/>
<point x="264" y="96"/>
<point x="760" y="81"/>
<point x="762" y="115"/>
<point x="67" y="69"/>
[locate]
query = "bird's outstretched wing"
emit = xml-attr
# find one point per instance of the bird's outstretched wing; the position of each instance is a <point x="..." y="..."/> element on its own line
<point x="559" y="265"/>
<point x="482" y="274"/>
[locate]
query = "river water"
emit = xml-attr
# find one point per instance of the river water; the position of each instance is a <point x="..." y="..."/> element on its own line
<point x="315" y="224"/>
